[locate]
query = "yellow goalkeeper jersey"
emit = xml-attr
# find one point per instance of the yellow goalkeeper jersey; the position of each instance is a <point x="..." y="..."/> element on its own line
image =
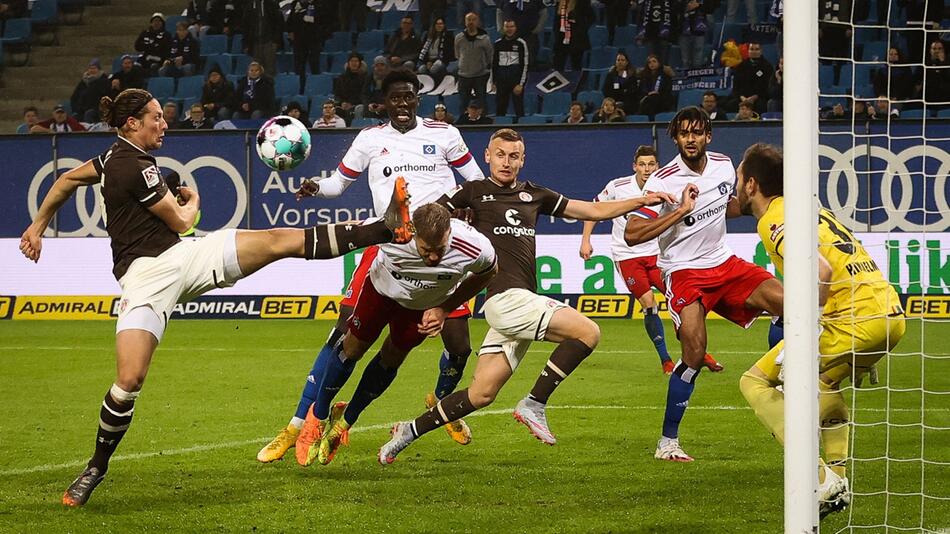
<point x="857" y="290"/>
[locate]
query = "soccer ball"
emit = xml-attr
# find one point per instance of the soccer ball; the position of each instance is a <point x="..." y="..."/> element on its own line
<point x="283" y="143"/>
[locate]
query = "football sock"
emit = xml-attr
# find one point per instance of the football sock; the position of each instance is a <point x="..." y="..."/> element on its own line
<point x="565" y="358"/>
<point x="115" y="416"/>
<point x="767" y="402"/>
<point x="310" y="387"/>
<point x="451" y="367"/>
<point x="682" y="382"/>
<point x="451" y="408"/>
<point x="331" y="240"/>
<point x="336" y="374"/>
<point x="835" y="430"/>
<point x="776" y="331"/>
<point x="376" y="378"/>
<point x="654" y="326"/>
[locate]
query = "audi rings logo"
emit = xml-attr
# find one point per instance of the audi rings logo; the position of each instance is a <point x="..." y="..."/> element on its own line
<point x="905" y="205"/>
<point x="90" y="222"/>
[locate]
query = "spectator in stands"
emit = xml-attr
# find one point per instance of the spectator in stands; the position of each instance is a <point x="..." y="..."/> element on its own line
<point x="575" y="115"/>
<point x="329" y="118"/>
<point x="297" y="111"/>
<point x="442" y="114"/>
<point x="254" y="94"/>
<point x="732" y="10"/>
<point x="777" y="15"/>
<point x="656" y="86"/>
<point x="621" y="84"/>
<point x="437" y="56"/>
<point x="12" y="9"/>
<point x="429" y="10"/>
<point x="775" y="88"/>
<point x="351" y="11"/>
<point x="198" y="15"/>
<point x="473" y="115"/>
<point x="693" y="34"/>
<point x="921" y="15"/>
<point x="403" y="46"/>
<point x="310" y="24"/>
<point x="882" y="109"/>
<point x="834" y="29"/>
<point x="747" y="112"/>
<point x="217" y="95"/>
<point x="372" y="96"/>
<point x="526" y="14"/>
<point x="263" y="26"/>
<point x="656" y="27"/>
<point x="464" y="7"/>
<point x="896" y="79"/>
<point x="170" y="114"/>
<point x="609" y="112"/>
<point x="348" y="87"/>
<point x="509" y="70"/>
<point x="154" y="43"/>
<point x="130" y="76"/>
<point x="223" y="17"/>
<point x="91" y="88"/>
<point x="197" y="120"/>
<point x="61" y="122"/>
<point x="572" y="20"/>
<point x="183" y="53"/>
<point x="711" y="106"/>
<point x="862" y="112"/>
<point x="616" y="13"/>
<point x="31" y="116"/>
<point x="934" y="77"/>
<point x="474" y="51"/>
<point x="751" y="80"/>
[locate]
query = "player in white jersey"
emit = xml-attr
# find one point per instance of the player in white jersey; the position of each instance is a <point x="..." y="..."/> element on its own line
<point x="411" y="288"/>
<point x="424" y="152"/>
<point x="701" y="273"/>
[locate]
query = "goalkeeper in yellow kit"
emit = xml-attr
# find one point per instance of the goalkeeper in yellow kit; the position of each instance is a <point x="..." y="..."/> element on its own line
<point x="861" y="319"/>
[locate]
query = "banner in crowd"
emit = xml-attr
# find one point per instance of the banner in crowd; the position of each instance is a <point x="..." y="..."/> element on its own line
<point x="872" y="182"/>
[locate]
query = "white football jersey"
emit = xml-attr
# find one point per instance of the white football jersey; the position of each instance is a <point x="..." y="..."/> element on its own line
<point x="620" y="189"/>
<point x="424" y="156"/>
<point x="398" y="272"/>
<point x="699" y="240"/>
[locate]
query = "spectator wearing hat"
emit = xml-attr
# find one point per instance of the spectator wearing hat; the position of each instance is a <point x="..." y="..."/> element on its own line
<point x="254" y="94"/>
<point x="183" y="54"/>
<point x="263" y="26"/>
<point x="93" y="86"/>
<point x="295" y="110"/>
<point x="329" y="119"/>
<point x="217" y="95"/>
<point x="197" y="119"/>
<point x="130" y="76"/>
<point x="348" y="87"/>
<point x="442" y="114"/>
<point x="154" y="43"/>
<point x="474" y="114"/>
<point x="372" y="97"/>
<point x="31" y="116"/>
<point x="61" y="122"/>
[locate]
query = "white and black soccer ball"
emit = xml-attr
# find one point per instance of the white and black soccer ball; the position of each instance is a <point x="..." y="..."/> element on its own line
<point x="283" y="143"/>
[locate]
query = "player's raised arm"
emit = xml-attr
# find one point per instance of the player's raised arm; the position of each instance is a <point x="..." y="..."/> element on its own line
<point x="31" y="241"/>
<point x="354" y="162"/>
<point x="648" y="224"/>
<point x="601" y="211"/>
<point x="180" y="217"/>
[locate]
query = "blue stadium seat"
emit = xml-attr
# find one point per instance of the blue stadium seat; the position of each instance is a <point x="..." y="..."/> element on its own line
<point x="864" y="74"/>
<point x="223" y="61"/>
<point x="43" y="12"/>
<point x="624" y="35"/>
<point x="171" y="21"/>
<point x="864" y="91"/>
<point x="241" y="63"/>
<point x="339" y="42"/>
<point x="318" y="84"/>
<point x="237" y="43"/>
<point x="533" y="119"/>
<point x="452" y="103"/>
<point x="364" y="122"/>
<point x="912" y="114"/>
<point x="770" y="52"/>
<point x="826" y="77"/>
<point x="233" y="79"/>
<point x="593" y="98"/>
<point x="285" y="62"/>
<point x="874" y="51"/>
<point x="161" y="86"/>
<point x="316" y="103"/>
<point x="426" y="105"/>
<point x="691" y="97"/>
<point x="638" y="118"/>
<point x="555" y="103"/>
<point x="595" y="78"/>
<point x="303" y="100"/>
<point x="17" y="31"/>
<point x="189" y="86"/>
<point x="844" y="76"/>
<point x="370" y="40"/>
<point x="601" y="58"/>
<point x="666" y="116"/>
<point x="188" y="102"/>
<point x="286" y="85"/>
<point x="504" y="119"/>
<point x="944" y="113"/>
<point x="335" y="61"/>
<point x="214" y="44"/>
<point x="598" y="36"/>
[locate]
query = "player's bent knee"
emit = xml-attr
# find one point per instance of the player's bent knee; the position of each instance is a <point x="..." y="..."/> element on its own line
<point x="481" y="397"/>
<point x="751" y="385"/>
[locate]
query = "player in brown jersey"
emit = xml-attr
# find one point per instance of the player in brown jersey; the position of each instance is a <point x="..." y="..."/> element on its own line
<point x="506" y="210"/>
<point x="156" y="269"/>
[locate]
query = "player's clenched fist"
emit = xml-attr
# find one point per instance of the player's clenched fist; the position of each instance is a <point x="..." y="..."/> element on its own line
<point x="31" y="244"/>
<point x="308" y="188"/>
<point x="688" y="202"/>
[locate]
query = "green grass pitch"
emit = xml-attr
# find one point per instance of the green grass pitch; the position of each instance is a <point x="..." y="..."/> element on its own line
<point x="218" y="390"/>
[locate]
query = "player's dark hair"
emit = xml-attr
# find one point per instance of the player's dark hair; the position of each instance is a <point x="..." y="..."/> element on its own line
<point x="763" y="162"/>
<point x="506" y="134"/>
<point x="400" y="76"/>
<point x="712" y="94"/>
<point x="129" y="103"/>
<point x="644" y="151"/>
<point x="691" y="115"/>
<point x="431" y="222"/>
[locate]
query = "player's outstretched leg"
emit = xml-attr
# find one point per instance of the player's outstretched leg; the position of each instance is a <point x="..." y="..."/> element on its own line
<point x="451" y="366"/>
<point x="577" y="336"/>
